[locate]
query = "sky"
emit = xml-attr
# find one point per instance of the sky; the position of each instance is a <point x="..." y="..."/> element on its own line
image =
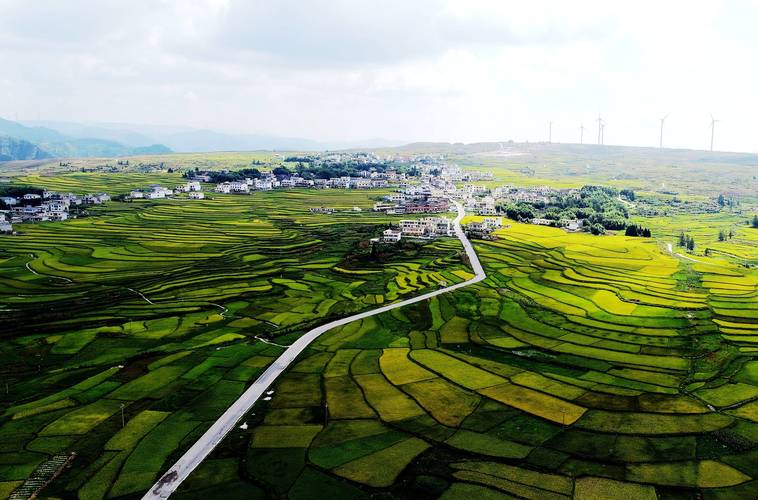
<point x="421" y="70"/>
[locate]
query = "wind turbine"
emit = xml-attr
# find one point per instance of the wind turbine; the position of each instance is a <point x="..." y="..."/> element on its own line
<point x="663" y="120"/>
<point x="600" y="129"/>
<point x="713" y="129"/>
<point x="581" y="133"/>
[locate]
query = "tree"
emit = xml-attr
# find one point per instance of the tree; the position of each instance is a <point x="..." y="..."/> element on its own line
<point x="628" y="194"/>
<point x="631" y="230"/>
<point x="597" y="229"/>
<point x="281" y="171"/>
<point x="690" y="243"/>
<point x="722" y="236"/>
<point x="755" y="222"/>
<point x="520" y="211"/>
<point x="721" y="200"/>
<point x="682" y="239"/>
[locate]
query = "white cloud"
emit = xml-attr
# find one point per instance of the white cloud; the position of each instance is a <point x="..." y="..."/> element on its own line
<point x="423" y="70"/>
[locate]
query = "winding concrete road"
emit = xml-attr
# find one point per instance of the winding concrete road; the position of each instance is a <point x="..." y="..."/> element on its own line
<point x="171" y="480"/>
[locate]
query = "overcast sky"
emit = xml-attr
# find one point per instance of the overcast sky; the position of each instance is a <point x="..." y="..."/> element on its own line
<point x="465" y="70"/>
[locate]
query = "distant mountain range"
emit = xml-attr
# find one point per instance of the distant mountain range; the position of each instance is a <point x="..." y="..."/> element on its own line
<point x="22" y="142"/>
<point x="19" y="149"/>
<point x="70" y="139"/>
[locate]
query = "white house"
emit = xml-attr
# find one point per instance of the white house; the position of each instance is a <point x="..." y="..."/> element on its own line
<point x="196" y="195"/>
<point x="158" y="191"/>
<point x="32" y="196"/>
<point x="493" y="222"/>
<point x="391" y="236"/>
<point x="263" y="184"/>
<point x="239" y="187"/>
<point x="224" y="187"/>
<point x="428" y="227"/>
<point x="542" y="222"/>
<point x="193" y="186"/>
<point x="5" y="226"/>
<point x="9" y="200"/>
<point x="136" y="194"/>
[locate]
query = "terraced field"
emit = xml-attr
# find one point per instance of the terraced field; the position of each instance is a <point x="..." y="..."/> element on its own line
<point x="593" y="367"/>
<point x="127" y="332"/>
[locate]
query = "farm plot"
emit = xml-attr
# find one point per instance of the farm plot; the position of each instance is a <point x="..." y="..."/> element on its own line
<point x="582" y="366"/>
<point x="126" y="333"/>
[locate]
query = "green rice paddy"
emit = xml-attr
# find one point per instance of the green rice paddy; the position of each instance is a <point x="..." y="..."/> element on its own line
<point x="587" y="367"/>
<point x="164" y="311"/>
<point x="583" y="366"/>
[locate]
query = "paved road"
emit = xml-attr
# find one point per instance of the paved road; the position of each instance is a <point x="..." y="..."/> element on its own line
<point x="226" y="422"/>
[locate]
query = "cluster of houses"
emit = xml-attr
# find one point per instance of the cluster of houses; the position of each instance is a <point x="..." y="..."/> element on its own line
<point x="156" y="191"/>
<point x="330" y="210"/>
<point x="571" y="225"/>
<point x="483" y="229"/>
<point x="416" y="199"/>
<point x="426" y="228"/>
<point x="453" y="173"/>
<point x="48" y="206"/>
<point x="268" y="183"/>
<point x="536" y="194"/>
<point x="480" y="206"/>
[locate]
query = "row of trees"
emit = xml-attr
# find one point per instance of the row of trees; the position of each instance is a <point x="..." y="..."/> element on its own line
<point x="635" y="230"/>
<point x="726" y="235"/>
<point x="686" y="241"/>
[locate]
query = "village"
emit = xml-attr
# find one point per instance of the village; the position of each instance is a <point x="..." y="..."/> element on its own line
<point x="44" y="207"/>
<point x="429" y="190"/>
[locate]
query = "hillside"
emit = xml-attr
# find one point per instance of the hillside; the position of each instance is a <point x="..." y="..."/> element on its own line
<point x="58" y="144"/>
<point x="19" y="149"/>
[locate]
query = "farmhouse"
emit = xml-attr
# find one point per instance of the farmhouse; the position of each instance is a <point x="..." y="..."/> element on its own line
<point x="9" y="200"/>
<point x="383" y="207"/>
<point x="484" y="228"/>
<point x="157" y="191"/>
<point x="96" y="199"/>
<point x="574" y="224"/>
<point x="391" y="236"/>
<point x="542" y="222"/>
<point x="481" y="206"/>
<point x="196" y="195"/>
<point x="426" y="228"/>
<point x="193" y="186"/>
<point x="224" y="187"/>
<point x="239" y="187"/>
<point x="5" y="226"/>
<point x="152" y="195"/>
<point x="55" y="210"/>
<point x="321" y="210"/>
<point x="136" y="194"/>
